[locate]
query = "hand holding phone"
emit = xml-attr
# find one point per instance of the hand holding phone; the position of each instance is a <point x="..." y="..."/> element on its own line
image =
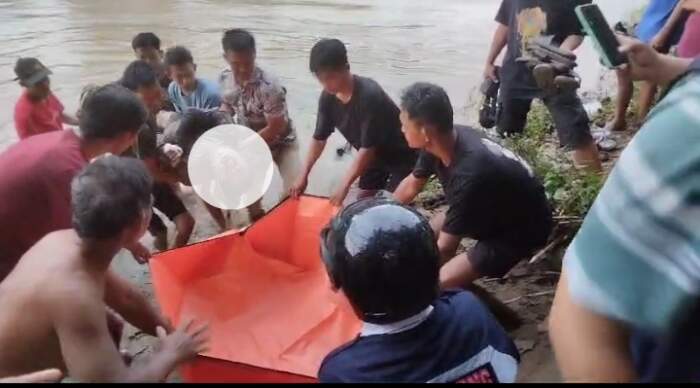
<point x="603" y="37"/>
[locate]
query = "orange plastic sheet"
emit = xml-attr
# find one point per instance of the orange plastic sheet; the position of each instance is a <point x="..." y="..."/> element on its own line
<point x="265" y="294"/>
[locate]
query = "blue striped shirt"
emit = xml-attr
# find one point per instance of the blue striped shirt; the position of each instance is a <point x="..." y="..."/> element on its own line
<point x="637" y="255"/>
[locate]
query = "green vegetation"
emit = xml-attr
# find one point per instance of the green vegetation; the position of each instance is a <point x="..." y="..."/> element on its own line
<point x="570" y="190"/>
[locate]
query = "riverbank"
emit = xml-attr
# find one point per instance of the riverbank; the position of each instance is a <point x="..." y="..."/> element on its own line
<point x="528" y="288"/>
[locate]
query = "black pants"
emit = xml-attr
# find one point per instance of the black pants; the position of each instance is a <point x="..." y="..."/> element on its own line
<point x="570" y="118"/>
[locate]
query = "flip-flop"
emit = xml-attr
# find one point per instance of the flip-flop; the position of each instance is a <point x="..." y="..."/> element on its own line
<point x="607" y="144"/>
<point x="604" y="140"/>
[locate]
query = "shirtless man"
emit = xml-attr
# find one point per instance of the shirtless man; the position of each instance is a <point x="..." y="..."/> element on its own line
<point x="52" y="305"/>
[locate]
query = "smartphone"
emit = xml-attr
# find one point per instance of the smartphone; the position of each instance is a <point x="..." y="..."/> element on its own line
<point x="604" y="39"/>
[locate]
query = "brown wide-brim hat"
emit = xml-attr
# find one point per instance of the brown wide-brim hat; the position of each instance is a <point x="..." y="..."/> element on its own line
<point x="30" y="71"/>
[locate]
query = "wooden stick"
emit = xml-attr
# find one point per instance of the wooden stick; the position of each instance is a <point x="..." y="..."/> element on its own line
<point x="546" y="250"/>
<point x="536" y="294"/>
<point x="567" y="218"/>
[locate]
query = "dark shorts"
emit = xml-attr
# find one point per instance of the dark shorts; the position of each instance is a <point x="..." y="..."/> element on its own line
<point x="570" y="118"/>
<point x="168" y="203"/>
<point x="495" y="258"/>
<point x="384" y="178"/>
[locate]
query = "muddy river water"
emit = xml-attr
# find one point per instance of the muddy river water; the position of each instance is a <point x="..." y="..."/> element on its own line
<point x="397" y="42"/>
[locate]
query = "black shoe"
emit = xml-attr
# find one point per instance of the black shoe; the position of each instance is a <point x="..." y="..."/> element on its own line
<point x="488" y="113"/>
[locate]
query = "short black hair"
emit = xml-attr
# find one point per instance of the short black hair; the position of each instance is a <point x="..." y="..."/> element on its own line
<point x="238" y="40"/>
<point x="328" y="54"/>
<point x="109" y="111"/>
<point x="145" y="40"/>
<point x="178" y="56"/>
<point x="430" y="104"/>
<point x="110" y="195"/>
<point x="137" y="75"/>
<point x="194" y="124"/>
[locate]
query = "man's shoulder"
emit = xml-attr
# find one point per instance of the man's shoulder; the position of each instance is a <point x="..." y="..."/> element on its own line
<point x="48" y="146"/>
<point x="336" y="363"/>
<point x="60" y="157"/>
<point x="461" y="304"/>
<point x="469" y="131"/>
<point x="369" y="88"/>
<point x="269" y="82"/>
<point x="472" y="320"/>
<point x="62" y="241"/>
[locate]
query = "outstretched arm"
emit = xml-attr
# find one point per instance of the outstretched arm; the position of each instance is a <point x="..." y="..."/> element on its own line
<point x="131" y="304"/>
<point x="90" y="355"/>
<point x="315" y="151"/>
<point x="572" y="42"/>
<point x="69" y="119"/>
<point x="364" y="159"/>
<point x="276" y="125"/>
<point x="409" y="188"/>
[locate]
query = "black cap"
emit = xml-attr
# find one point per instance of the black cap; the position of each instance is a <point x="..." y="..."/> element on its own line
<point x="384" y="257"/>
<point x="30" y="71"/>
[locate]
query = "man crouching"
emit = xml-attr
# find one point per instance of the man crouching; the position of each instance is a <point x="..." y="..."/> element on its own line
<point x="53" y="304"/>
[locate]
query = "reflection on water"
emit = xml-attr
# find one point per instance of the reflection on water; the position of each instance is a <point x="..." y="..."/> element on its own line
<point x="397" y="42"/>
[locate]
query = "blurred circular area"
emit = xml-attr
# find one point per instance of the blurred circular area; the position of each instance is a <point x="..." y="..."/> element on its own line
<point x="230" y="167"/>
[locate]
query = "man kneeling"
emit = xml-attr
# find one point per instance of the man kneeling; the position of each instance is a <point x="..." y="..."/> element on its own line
<point x="52" y="305"/>
<point x="493" y="195"/>
<point x="383" y="256"/>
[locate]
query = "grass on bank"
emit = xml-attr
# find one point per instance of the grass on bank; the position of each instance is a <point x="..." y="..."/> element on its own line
<point x="571" y="191"/>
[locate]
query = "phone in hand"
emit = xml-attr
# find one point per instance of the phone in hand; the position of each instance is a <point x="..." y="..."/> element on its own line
<point x="604" y="39"/>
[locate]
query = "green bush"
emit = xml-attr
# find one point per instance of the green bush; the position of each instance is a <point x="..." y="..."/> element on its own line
<point x="570" y="190"/>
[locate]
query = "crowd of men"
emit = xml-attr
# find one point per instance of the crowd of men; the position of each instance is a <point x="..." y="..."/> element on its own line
<point x="628" y="301"/>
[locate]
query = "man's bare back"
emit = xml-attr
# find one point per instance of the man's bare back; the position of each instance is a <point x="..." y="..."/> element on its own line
<point x="53" y="305"/>
<point x="46" y="280"/>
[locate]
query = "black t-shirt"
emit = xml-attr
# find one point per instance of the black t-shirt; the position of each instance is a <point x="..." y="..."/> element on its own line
<point x="369" y="120"/>
<point x="529" y="19"/>
<point x="492" y="193"/>
<point x="460" y="342"/>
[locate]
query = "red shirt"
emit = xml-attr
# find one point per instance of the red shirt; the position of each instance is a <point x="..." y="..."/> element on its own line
<point x="35" y="178"/>
<point x="33" y="118"/>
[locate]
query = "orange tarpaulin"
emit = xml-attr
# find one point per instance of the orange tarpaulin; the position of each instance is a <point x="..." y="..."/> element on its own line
<point x="265" y="294"/>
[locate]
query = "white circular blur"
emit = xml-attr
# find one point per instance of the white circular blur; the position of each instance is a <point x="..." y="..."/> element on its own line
<point x="230" y="167"/>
